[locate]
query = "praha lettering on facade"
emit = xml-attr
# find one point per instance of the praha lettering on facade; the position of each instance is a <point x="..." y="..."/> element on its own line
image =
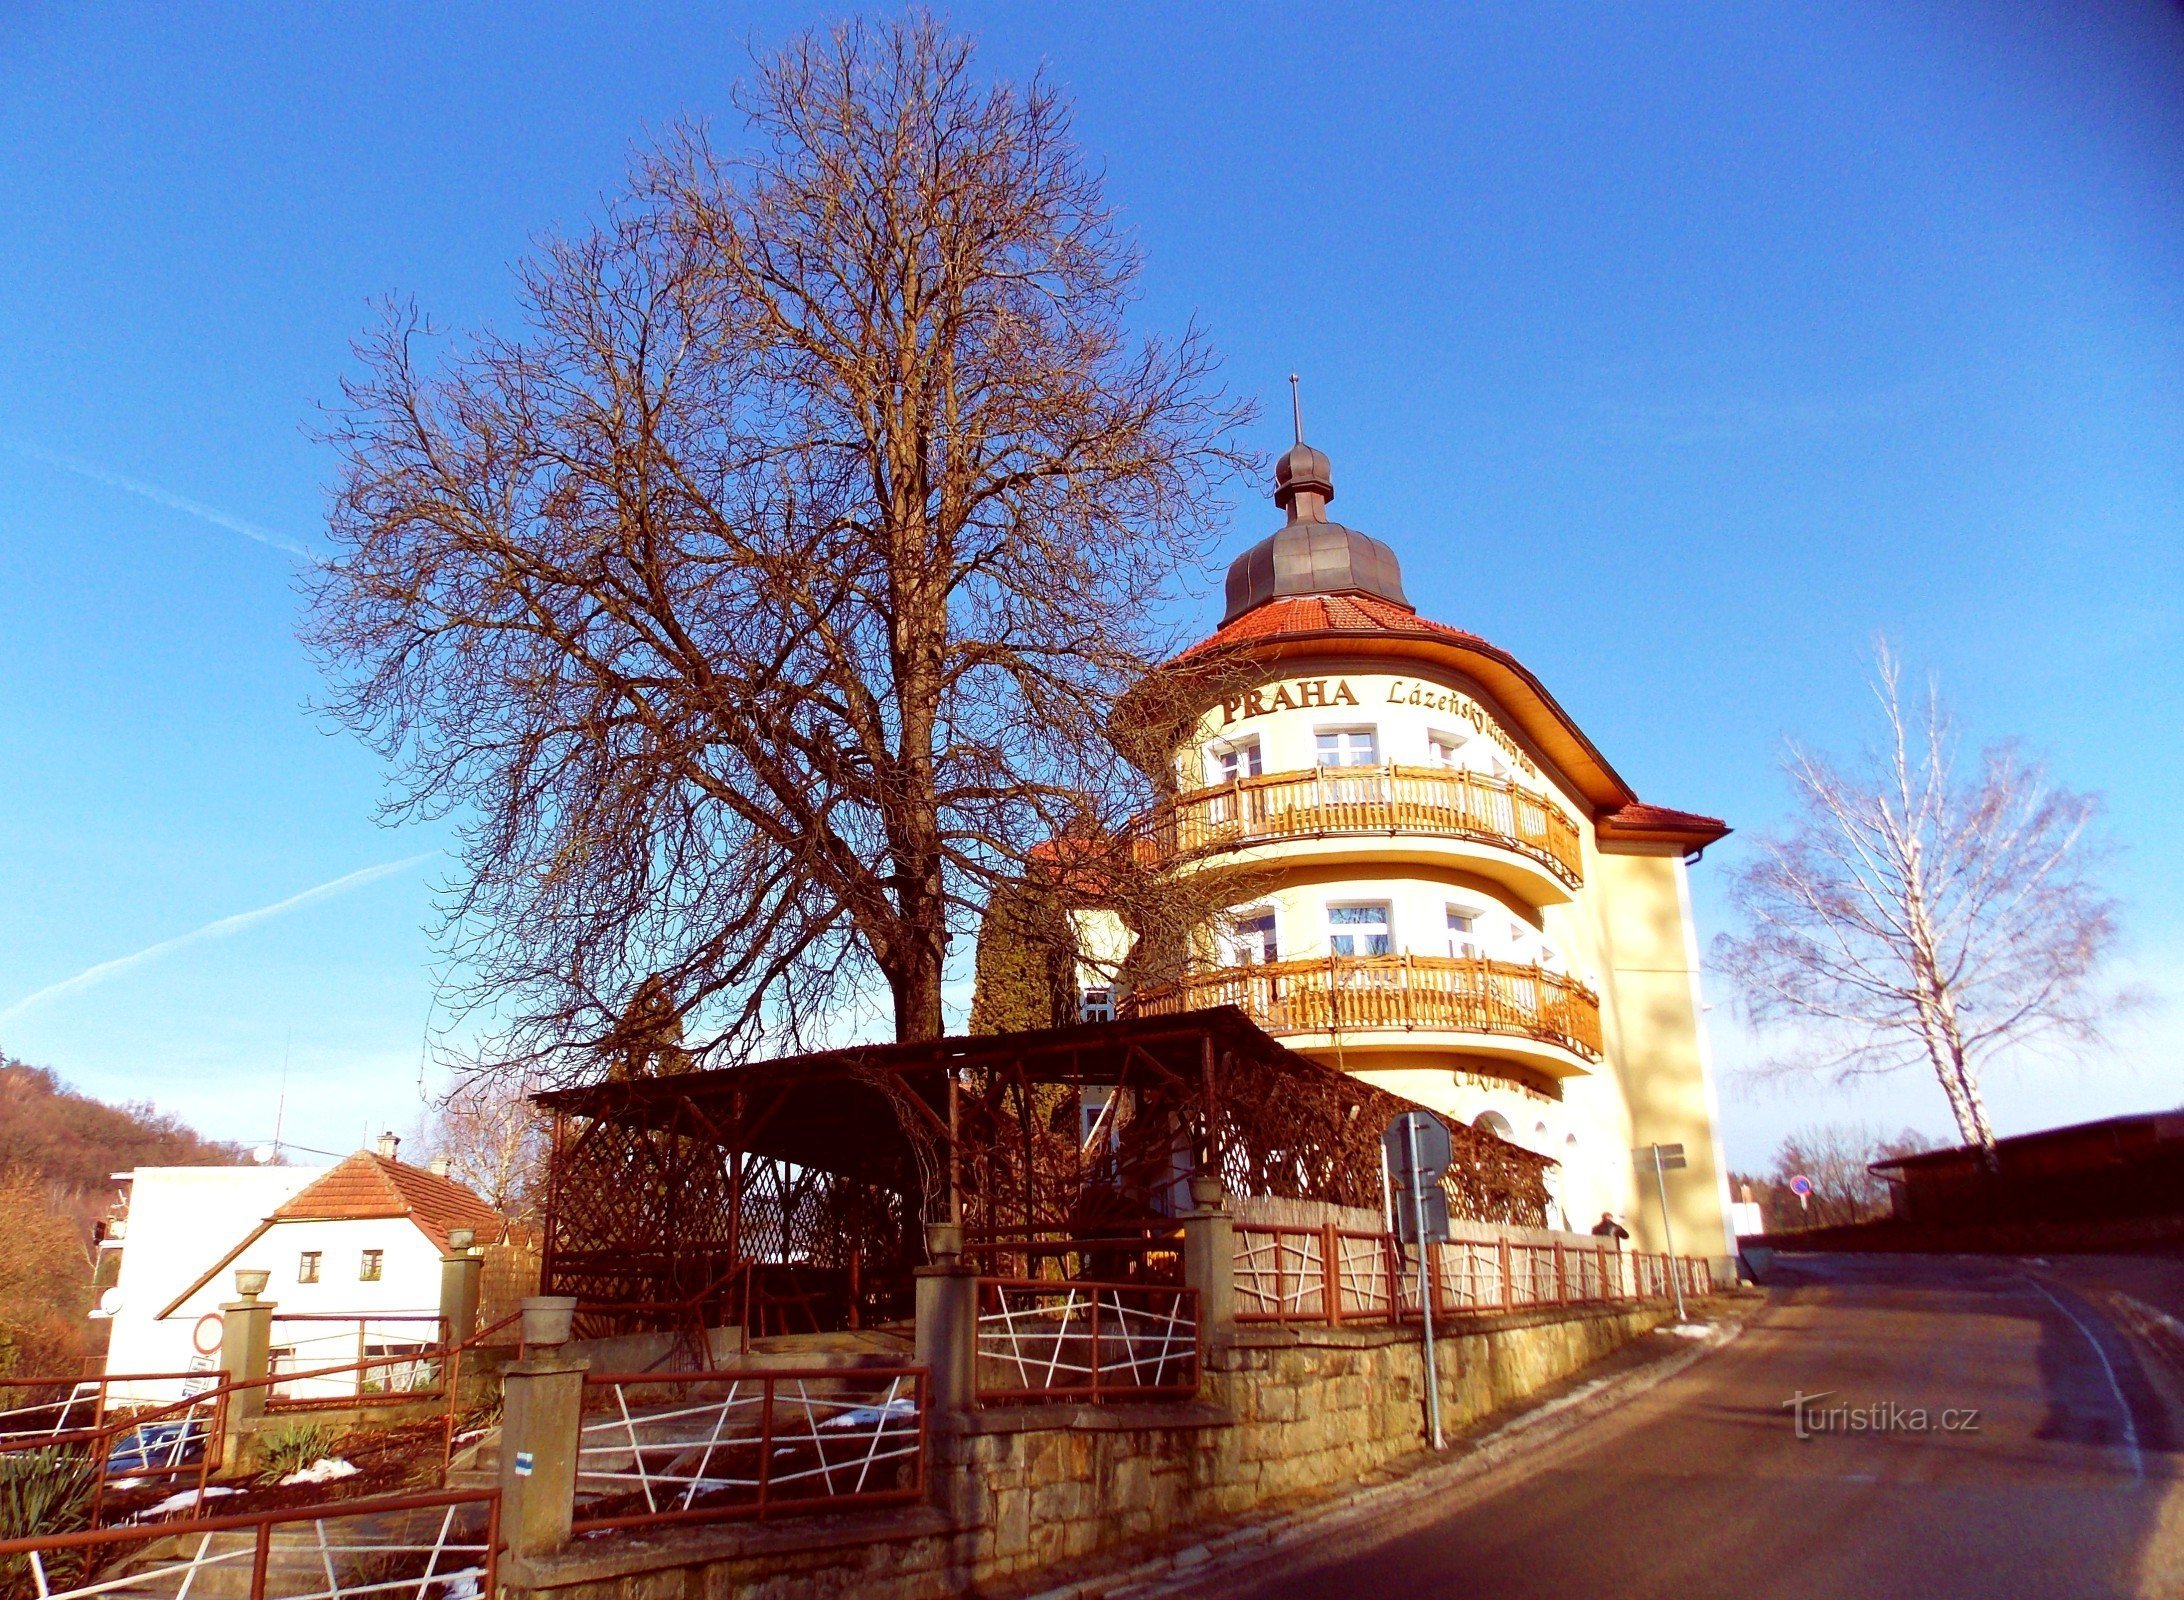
<point x="1286" y="697"/>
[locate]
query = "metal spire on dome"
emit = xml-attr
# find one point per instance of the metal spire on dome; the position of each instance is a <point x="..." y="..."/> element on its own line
<point x="1304" y="479"/>
<point x="1309" y="555"/>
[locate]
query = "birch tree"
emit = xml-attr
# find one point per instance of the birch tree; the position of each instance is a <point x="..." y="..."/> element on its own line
<point x="760" y="607"/>
<point x="1915" y="914"/>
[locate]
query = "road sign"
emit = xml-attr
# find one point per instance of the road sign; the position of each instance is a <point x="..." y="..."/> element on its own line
<point x="1434" y="1151"/>
<point x="1801" y="1186"/>
<point x="1664" y="1159"/>
<point x="1419" y="1151"/>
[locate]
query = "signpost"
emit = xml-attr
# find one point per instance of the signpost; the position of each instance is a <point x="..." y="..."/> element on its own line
<point x="1664" y="1159"/>
<point x="1418" y="1150"/>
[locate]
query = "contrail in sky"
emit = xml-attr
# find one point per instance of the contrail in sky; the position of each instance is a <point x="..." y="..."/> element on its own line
<point x="211" y="930"/>
<point x="164" y="497"/>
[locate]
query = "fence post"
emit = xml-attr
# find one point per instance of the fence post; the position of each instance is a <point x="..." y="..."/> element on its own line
<point x="1331" y="1274"/>
<point x="947" y="1321"/>
<point x="540" y="1432"/>
<point x="1508" y="1286"/>
<point x="1209" y="1259"/>
<point x="246" y="1355"/>
<point x="459" y="1273"/>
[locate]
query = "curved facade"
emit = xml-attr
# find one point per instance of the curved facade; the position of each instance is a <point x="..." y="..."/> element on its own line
<point x="1442" y="885"/>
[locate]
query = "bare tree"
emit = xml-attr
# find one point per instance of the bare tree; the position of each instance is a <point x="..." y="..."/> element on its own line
<point x="761" y="607"/>
<point x="1911" y="915"/>
<point x="495" y="1142"/>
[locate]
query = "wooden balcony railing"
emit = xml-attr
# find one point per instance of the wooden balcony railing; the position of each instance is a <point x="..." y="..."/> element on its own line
<point x="1391" y="799"/>
<point x="1441" y="994"/>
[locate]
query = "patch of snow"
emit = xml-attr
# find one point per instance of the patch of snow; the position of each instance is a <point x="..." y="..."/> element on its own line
<point x="185" y="1501"/>
<point x="1689" y="1330"/>
<point x="324" y="1470"/>
<point x="872" y="1416"/>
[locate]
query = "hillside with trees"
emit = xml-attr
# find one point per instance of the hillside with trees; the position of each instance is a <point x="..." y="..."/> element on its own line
<point x="58" y="1150"/>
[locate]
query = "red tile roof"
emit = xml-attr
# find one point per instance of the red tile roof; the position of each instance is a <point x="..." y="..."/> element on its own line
<point x="371" y="1185"/>
<point x="1641" y="821"/>
<point x="1322" y="613"/>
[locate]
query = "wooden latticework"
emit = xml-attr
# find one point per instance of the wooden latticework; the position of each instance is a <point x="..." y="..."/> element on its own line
<point x="789" y="1194"/>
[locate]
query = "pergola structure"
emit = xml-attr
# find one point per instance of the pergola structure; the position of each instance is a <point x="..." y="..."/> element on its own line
<point x="796" y="1190"/>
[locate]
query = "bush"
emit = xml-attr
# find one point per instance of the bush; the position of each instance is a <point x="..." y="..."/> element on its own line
<point x="292" y="1448"/>
<point x="44" y="1492"/>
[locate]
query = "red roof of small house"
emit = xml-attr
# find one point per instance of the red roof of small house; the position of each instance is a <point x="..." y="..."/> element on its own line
<point x="371" y="1185"/>
<point x="367" y="1186"/>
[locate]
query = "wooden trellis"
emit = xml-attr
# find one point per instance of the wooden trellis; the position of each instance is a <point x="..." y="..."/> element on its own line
<point x="791" y="1194"/>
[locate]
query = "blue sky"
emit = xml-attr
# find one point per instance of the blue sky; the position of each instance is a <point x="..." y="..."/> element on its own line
<point x="1677" y="348"/>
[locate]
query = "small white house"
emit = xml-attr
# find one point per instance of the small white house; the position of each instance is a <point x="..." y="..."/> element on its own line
<point x="351" y="1253"/>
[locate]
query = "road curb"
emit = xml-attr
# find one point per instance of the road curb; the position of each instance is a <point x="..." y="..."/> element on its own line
<point x="1372" y="1514"/>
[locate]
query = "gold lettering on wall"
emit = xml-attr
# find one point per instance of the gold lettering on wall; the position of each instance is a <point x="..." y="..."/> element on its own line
<point x="1432" y="697"/>
<point x="1304" y="695"/>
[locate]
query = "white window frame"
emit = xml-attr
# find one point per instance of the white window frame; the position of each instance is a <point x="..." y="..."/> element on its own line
<point x="1248" y="754"/>
<point x="1445" y="749"/>
<point x="1235" y="946"/>
<point x="1096" y="1003"/>
<point x="1462" y="942"/>
<point x="1354" y="930"/>
<point x="1342" y="732"/>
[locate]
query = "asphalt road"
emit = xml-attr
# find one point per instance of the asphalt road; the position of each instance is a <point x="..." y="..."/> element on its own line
<point x="2067" y="1481"/>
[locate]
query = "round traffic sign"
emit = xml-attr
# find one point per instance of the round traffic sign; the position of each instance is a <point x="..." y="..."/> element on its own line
<point x="206" y="1335"/>
<point x="1801" y="1185"/>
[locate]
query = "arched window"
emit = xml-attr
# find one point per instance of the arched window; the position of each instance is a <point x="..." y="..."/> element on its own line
<point x="1493" y="1122"/>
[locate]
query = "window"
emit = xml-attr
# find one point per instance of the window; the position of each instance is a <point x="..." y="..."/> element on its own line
<point x="1493" y="1122"/>
<point x="1348" y="747"/>
<point x="1462" y="932"/>
<point x="1359" y="931"/>
<point x="307" y="1267"/>
<point x="1236" y="761"/>
<point x="1251" y="940"/>
<point x="1096" y="1118"/>
<point x="1096" y="1005"/>
<point x="1445" y="749"/>
<point x="369" y="1268"/>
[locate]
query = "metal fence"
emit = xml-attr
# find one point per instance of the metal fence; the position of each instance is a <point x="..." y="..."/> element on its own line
<point x="1282" y="1275"/>
<point x="699" y="1447"/>
<point x="1047" y="1339"/>
<point x="417" y="1547"/>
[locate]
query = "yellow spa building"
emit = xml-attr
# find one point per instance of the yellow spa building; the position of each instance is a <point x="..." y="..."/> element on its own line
<point x="1446" y="889"/>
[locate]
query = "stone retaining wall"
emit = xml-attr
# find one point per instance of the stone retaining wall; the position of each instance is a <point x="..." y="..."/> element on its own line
<point x="1284" y="1413"/>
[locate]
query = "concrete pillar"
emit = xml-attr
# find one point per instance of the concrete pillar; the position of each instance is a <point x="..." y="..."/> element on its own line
<point x="460" y="1271"/>
<point x="246" y="1352"/>
<point x="1209" y="1260"/>
<point x="947" y="1336"/>
<point x="544" y="1404"/>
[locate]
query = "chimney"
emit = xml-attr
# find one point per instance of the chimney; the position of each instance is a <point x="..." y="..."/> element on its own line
<point x="388" y="1144"/>
<point x="437" y="1166"/>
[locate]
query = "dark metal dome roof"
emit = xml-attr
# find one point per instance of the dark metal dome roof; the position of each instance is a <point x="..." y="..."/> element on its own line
<point x="1310" y="555"/>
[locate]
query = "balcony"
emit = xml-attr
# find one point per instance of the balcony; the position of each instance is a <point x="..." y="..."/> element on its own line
<point x="1529" y="1015"/>
<point x="1508" y="833"/>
